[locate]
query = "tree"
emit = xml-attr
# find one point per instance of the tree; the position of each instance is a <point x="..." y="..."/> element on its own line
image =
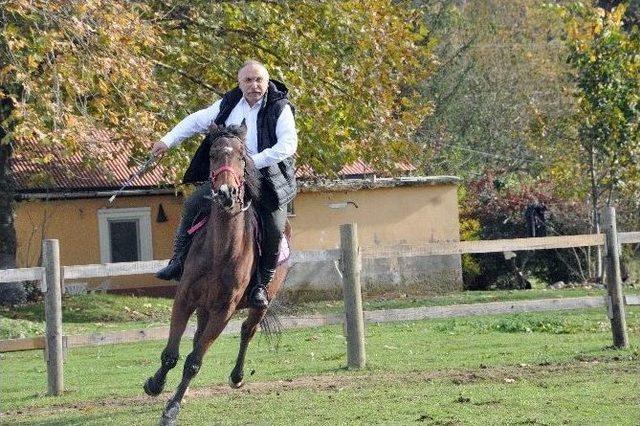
<point x="354" y="68"/>
<point x="12" y="293"/>
<point x="606" y="68"/>
<point x="503" y="98"/>
<point x="67" y="68"/>
<point x="632" y="12"/>
<point x="135" y="68"/>
<point x="498" y="90"/>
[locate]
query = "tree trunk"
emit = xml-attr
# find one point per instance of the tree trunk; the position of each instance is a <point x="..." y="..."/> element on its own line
<point x="596" y="218"/>
<point x="10" y="293"/>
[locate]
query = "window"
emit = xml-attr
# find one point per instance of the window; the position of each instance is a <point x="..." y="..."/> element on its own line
<point x="125" y="235"/>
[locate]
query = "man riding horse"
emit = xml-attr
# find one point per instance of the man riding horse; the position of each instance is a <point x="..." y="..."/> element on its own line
<point x="262" y="104"/>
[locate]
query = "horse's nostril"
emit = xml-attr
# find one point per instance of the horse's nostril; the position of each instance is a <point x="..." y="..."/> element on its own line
<point x="226" y="195"/>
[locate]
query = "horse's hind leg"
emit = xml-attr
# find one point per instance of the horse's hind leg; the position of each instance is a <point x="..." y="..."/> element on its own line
<point x="169" y="358"/>
<point x="192" y="363"/>
<point x="249" y="328"/>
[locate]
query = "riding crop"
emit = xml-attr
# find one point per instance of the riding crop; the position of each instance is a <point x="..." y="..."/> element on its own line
<point x="142" y="170"/>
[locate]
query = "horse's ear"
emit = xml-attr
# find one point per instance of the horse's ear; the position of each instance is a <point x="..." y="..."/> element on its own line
<point x="242" y="129"/>
<point x="213" y="127"/>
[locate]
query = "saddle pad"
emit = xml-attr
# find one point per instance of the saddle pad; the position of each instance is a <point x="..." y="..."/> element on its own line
<point x="284" y="252"/>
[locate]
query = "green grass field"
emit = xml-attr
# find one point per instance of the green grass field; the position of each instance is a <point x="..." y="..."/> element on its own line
<point x="104" y="312"/>
<point x="538" y="368"/>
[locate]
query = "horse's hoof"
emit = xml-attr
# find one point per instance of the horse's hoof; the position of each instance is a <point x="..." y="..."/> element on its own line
<point x="152" y="388"/>
<point x="170" y="415"/>
<point x="235" y="385"/>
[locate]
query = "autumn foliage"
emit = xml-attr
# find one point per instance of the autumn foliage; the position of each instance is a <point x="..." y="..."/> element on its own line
<point x="136" y="68"/>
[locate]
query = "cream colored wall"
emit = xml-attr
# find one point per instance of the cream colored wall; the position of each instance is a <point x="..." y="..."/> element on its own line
<point x="75" y="224"/>
<point x="385" y="216"/>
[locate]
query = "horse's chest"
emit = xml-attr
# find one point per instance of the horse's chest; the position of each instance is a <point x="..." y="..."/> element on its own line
<point x="230" y="275"/>
<point x="225" y="275"/>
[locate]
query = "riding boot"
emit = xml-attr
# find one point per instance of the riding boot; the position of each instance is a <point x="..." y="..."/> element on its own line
<point x="196" y="204"/>
<point x="259" y="295"/>
<point x="173" y="271"/>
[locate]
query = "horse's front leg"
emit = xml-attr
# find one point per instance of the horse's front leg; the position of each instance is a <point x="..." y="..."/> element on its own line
<point x="203" y="318"/>
<point x="217" y="322"/>
<point x="180" y="314"/>
<point x="249" y="328"/>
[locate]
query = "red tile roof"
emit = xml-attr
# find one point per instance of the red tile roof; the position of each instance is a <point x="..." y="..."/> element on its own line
<point x="362" y="168"/>
<point x="113" y="167"/>
<point x="358" y="168"/>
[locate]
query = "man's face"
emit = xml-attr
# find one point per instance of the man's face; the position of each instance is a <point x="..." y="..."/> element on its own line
<point x="253" y="81"/>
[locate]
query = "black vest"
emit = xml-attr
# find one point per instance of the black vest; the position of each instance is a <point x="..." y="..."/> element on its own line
<point x="279" y="181"/>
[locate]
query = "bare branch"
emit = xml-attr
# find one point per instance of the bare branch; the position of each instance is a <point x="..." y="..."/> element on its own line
<point x="187" y="76"/>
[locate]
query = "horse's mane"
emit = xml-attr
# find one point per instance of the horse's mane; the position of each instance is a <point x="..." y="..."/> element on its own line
<point x="232" y="131"/>
<point x="252" y="177"/>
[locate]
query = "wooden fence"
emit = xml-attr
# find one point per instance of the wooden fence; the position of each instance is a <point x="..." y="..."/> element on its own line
<point x="52" y="276"/>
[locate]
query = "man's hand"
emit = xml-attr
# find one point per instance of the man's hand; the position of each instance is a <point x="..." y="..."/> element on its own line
<point x="158" y="149"/>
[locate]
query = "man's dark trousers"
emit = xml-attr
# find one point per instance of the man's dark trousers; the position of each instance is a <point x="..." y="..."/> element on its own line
<point x="273" y="223"/>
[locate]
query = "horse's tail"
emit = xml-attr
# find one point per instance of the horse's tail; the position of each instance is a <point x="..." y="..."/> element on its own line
<point x="271" y="325"/>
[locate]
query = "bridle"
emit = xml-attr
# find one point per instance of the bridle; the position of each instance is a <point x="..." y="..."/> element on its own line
<point x="226" y="168"/>
<point x="239" y="181"/>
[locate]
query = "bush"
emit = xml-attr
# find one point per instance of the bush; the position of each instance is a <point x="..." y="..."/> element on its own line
<point x="506" y="207"/>
<point x="470" y="231"/>
<point x="12" y="294"/>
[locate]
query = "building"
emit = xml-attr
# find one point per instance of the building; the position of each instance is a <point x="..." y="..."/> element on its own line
<point x="65" y="200"/>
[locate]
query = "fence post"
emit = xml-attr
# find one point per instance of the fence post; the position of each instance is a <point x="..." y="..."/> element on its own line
<point x="615" y="300"/>
<point x="53" y="316"/>
<point x="352" y="295"/>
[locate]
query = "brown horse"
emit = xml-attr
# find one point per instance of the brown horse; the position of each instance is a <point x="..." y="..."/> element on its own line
<point x="218" y="269"/>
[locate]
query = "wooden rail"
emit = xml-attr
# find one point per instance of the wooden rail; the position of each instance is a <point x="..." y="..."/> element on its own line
<point x="21" y="274"/>
<point x="489" y="246"/>
<point x="26" y="344"/>
<point x="406" y="314"/>
<point x="628" y="237"/>
<point x="100" y="270"/>
<point x="429" y="249"/>
<point x="113" y="269"/>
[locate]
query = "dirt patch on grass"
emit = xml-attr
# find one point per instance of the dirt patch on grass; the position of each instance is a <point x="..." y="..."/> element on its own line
<point x="338" y="382"/>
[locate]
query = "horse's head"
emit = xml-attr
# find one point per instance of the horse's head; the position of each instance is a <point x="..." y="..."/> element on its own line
<point x="227" y="162"/>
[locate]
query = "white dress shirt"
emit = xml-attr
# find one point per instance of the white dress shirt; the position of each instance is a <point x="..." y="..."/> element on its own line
<point x="199" y="122"/>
